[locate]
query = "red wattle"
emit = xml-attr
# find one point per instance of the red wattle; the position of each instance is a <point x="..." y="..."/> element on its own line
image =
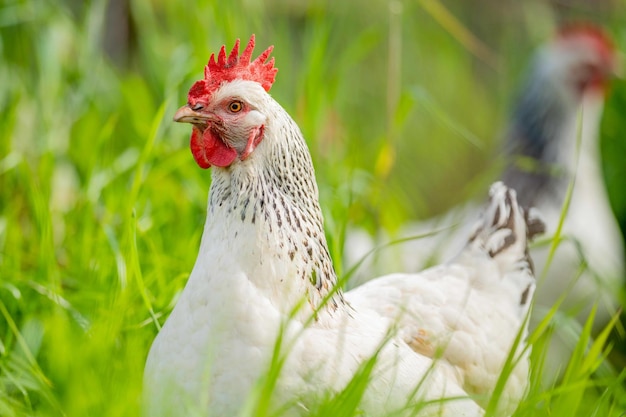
<point x="208" y="149"/>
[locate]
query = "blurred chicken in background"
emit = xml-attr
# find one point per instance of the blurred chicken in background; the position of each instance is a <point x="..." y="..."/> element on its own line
<point x="551" y="144"/>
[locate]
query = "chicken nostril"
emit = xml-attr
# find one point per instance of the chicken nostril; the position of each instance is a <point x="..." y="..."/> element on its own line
<point x="197" y="106"/>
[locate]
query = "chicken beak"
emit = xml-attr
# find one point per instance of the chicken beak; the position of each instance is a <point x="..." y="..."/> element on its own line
<point x="186" y="115"/>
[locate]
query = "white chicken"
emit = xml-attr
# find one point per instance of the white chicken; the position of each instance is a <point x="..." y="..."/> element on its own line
<point x="565" y="90"/>
<point x="264" y="280"/>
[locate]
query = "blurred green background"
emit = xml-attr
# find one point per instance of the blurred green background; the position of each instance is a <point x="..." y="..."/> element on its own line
<point x="102" y="206"/>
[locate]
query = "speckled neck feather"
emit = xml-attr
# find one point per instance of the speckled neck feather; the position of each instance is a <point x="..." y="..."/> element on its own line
<point x="280" y="198"/>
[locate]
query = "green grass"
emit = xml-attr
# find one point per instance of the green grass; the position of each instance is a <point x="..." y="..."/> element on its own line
<point x="102" y="206"/>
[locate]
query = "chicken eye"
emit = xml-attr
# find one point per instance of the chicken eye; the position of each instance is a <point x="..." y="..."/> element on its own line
<point x="235" y="106"/>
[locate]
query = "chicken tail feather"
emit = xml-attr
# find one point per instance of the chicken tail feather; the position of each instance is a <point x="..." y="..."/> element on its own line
<point x="503" y="234"/>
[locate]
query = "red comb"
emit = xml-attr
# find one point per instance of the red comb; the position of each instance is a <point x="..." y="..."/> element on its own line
<point x="587" y="30"/>
<point x="236" y="67"/>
